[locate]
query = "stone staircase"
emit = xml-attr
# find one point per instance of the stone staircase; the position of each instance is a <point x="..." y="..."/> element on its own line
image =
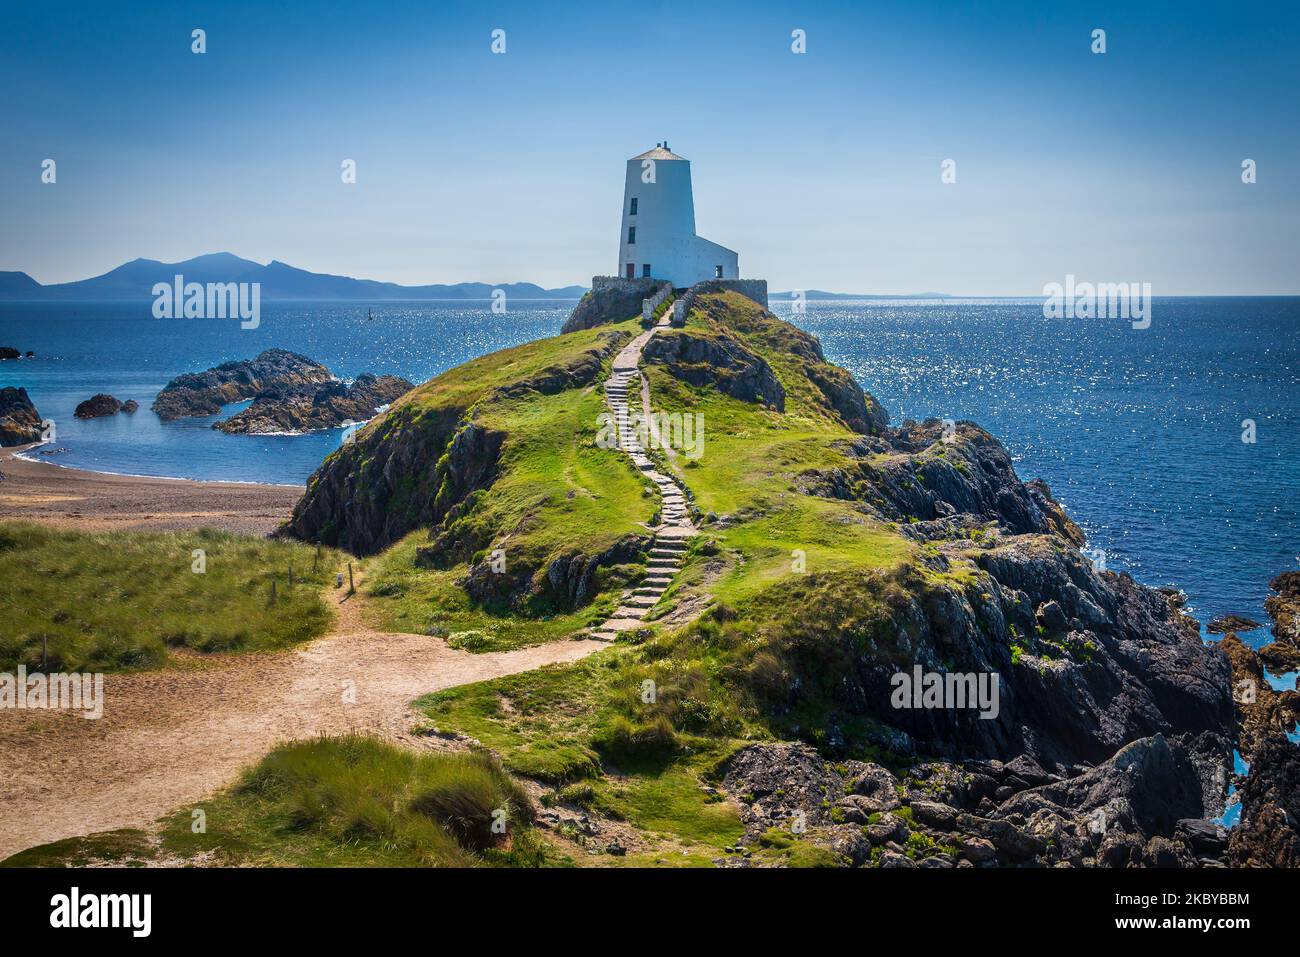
<point x="675" y="526"/>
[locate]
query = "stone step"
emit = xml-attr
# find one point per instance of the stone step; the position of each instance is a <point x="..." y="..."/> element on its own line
<point x="643" y="601"/>
<point x="671" y="554"/>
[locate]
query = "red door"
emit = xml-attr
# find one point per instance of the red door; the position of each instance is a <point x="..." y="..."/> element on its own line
<point x="631" y="270"/>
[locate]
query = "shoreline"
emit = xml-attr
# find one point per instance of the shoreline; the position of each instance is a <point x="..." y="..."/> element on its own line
<point x="25" y="456"/>
<point x="87" y="500"/>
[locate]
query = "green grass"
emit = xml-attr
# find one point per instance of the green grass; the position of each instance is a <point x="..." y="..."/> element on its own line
<point x="105" y="601"/>
<point x="770" y="658"/>
<point x="405" y="598"/>
<point x="336" y="802"/>
<point x="560" y="725"/>
<point x="555" y="494"/>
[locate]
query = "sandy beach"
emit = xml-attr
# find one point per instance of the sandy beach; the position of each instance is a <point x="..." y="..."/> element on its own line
<point x="47" y="493"/>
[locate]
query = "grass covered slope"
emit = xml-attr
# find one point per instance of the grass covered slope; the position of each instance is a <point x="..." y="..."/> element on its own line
<point x="333" y="802"/>
<point x="499" y="520"/>
<point x="833" y="553"/>
<point x="106" y="601"/>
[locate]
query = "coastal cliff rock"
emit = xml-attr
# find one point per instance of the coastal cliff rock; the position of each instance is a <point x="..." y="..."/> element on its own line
<point x="736" y="325"/>
<point x="419" y="464"/>
<point x="942" y="477"/>
<point x="20" y="423"/>
<point x="613" y="302"/>
<point x="323" y="406"/>
<point x="1103" y="730"/>
<point x="8" y="352"/>
<point x="1268" y="833"/>
<point x="205" y="393"/>
<point x="101" y="405"/>
<point x="717" y="361"/>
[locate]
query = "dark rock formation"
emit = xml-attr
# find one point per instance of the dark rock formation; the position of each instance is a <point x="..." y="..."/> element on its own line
<point x="1268" y="834"/>
<point x="929" y="478"/>
<point x="419" y="465"/>
<point x="326" y="405"/>
<point x="20" y="423"/>
<point x="567" y="582"/>
<point x="1143" y="806"/>
<point x="718" y="361"/>
<point x="130" y="406"/>
<point x="1226" y="623"/>
<point x="8" y="352"/>
<point x="736" y="316"/>
<point x="610" y="300"/>
<point x="97" y="406"/>
<point x="204" y="393"/>
<point x="1284" y="607"/>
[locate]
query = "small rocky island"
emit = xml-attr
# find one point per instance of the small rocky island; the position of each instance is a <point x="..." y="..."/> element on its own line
<point x="205" y="393"/>
<point x="324" y="406"/>
<point x="20" y="423"/>
<point x="103" y="404"/>
<point x="290" y="393"/>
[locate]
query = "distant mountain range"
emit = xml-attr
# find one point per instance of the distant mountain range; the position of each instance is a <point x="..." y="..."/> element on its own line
<point x="135" y="280"/>
<point x="823" y="294"/>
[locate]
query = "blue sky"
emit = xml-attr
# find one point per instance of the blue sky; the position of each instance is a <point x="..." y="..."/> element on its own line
<point x="822" y="170"/>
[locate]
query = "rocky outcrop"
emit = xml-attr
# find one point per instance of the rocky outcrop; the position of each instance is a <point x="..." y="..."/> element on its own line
<point x="100" y="405"/>
<point x="1268" y="834"/>
<point x="610" y="300"/>
<point x="324" y="406"/>
<point x="932" y="476"/>
<point x="20" y="423"/>
<point x="205" y="393"/>
<point x="566" y="582"/>
<point x="418" y="466"/>
<point x="1143" y="806"/>
<point x="716" y="360"/>
<point x="1234" y="623"/>
<point x="8" y="352"/>
<point x="1284" y="607"/>
<point x="736" y="316"/>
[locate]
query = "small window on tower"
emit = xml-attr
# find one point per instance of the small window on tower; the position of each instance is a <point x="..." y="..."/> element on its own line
<point x="632" y="212"/>
<point x="631" y="235"/>
<point x="645" y="270"/>
<point x="717" y="272"/>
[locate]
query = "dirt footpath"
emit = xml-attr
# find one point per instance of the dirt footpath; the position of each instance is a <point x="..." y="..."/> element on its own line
<point x="169" y="738"/>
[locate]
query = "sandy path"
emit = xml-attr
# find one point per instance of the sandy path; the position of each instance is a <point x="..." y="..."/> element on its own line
<point x="169" y="738"/>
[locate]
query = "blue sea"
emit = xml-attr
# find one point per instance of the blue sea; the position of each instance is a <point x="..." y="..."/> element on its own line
<point x="1138" y="432"/>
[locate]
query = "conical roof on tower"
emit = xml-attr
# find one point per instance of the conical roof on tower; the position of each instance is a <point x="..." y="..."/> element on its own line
<point x="660" y="152"/>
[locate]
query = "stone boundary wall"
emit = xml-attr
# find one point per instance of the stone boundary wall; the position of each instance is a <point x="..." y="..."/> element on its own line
<point x="755" y="289"/>
<point x="648" y="306"/>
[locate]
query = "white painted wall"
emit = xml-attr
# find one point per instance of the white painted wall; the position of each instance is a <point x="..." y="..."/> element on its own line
<point x="665" y="226"/>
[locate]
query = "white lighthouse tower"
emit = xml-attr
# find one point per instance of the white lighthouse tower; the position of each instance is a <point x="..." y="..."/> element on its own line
<point x="658" y="238"/>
